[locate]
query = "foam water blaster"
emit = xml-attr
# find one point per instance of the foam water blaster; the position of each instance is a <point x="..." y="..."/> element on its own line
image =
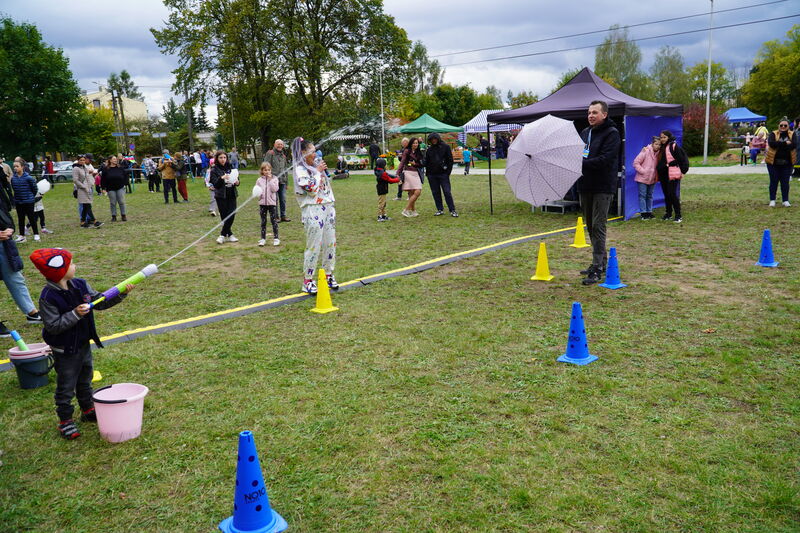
<point x="120" y="288"/>
<point x="20" y="343"/>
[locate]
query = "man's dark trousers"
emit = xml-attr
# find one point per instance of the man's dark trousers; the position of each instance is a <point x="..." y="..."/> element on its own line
<point x="441" y="184"/>
<point x="595" y="214"/>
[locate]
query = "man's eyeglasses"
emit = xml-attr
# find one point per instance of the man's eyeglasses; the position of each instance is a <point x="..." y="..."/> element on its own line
<point x="783" y="126"/>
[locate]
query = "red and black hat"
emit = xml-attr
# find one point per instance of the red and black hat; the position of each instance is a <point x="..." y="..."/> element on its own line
<point x="53" y="263"/>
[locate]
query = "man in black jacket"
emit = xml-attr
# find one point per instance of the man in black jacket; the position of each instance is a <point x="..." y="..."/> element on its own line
<point x="438" y="166"/>
<point x="374" y="154"/>
<point x="598" y="183"/>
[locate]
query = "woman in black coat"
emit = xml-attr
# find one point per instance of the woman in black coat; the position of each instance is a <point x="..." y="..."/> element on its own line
<point x="225" y="194"/>
<point x="113" y="180"/>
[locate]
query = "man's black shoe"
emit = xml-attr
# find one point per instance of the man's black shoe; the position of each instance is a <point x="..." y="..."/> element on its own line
<point x="586" y="270"/>
<point x="4" y="331"/>
<point x="593" y="277"/>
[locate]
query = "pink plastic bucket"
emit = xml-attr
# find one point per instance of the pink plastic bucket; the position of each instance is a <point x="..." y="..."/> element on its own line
<point x="119" y="411"/>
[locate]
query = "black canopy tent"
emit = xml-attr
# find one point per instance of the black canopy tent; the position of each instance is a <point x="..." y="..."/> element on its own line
<point x="638" y="119"/>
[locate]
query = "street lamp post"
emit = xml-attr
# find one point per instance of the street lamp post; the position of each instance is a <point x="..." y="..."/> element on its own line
<point x="233" y="122"/>
<point x="383" y="121"/>
<point x="708" y="86"/>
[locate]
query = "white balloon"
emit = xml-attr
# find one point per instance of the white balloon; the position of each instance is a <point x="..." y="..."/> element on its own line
<point x="43" y="186"/>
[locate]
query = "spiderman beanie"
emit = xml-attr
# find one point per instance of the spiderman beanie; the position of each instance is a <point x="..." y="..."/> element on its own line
<point x="53" y="263"/>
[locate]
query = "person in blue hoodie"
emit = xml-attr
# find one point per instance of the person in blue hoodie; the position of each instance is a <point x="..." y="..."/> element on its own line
<point x="25" y="192"/>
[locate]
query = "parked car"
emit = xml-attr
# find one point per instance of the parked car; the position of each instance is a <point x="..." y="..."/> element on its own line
<point x="62" y="171"/>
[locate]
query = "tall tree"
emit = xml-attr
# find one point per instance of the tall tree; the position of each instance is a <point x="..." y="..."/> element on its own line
<point x="202" y="120"/>
<point x="123" y="84"/>
<point x="426" y="73"/>
<point x="722" y="91"/>
<point x="671" y="82"/>
<point x="40" y="102"/>
<point x="233" y="46"/>
<point x="772" y="88"/>
<point x="618" y="61"/>
<point x="565" y="77"/>
<point x="522" y="98"/>
<point x="174" y="116"/>
<point x="334" y="44"/>
<point x="459" y="104"/>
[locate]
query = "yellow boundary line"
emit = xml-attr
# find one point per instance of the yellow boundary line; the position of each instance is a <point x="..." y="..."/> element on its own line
<point x="346" y="284"/>
<point x="356" y="281"/>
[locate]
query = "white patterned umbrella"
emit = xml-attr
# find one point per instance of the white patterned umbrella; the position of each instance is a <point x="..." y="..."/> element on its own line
<point x="545" y="160"/>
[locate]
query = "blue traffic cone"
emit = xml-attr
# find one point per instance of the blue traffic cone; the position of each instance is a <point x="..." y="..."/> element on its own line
<point x="766" y="259"/>
<point x="251" y="510"/>
<point x="612" y="272"/>
<point x="577" y="348"/>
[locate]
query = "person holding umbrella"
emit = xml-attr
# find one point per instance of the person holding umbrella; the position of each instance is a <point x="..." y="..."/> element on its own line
<point x="597" y="183"/>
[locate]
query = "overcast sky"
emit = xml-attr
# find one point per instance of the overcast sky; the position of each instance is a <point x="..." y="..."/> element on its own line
<point x="104" y="36"/>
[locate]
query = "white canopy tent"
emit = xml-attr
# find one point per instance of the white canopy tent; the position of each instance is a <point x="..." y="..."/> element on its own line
<point x="477" y="124"/>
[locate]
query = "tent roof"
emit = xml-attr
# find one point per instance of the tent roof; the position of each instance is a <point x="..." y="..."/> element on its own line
<point x="478" y="123"/>
<point x="426" y="124"/>
<point x="742" y="114"/>
<point x="572" y="100"/>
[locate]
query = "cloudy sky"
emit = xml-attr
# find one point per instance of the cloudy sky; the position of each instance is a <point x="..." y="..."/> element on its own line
<point x="104" y="36"/>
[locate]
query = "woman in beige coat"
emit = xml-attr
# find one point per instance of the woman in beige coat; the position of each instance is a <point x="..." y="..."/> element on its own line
<point x="84" y="191"/>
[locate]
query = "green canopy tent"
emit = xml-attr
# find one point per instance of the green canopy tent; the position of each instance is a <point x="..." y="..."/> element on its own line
<point x="426" y="124"/>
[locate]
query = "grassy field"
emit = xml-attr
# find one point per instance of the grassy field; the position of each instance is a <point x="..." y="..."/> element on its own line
<point x="433" y="402"/>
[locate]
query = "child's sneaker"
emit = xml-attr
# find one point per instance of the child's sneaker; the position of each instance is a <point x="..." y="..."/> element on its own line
<point x="231" y="238"/>
<point x="332" y="282"/>
<point x="220" y="239"/>
<point x="19" y="239"/>
<point x="276" y="242"/>
<point x="380" y="218"/>
<point x="47" y="231"/>
<point x="97" y="223"/>
<point x="262" y="242"/>
<point x="68" y="429"/>
<point x="34" y="318"/>
<point x="310" y="286"/>
<point x="89" y="415"/>
<point x="37" y="238"/>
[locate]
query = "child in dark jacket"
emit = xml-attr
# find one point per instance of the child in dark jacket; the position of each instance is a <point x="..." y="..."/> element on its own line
<point x="68" y="327"/>
<point x="383" y="179"/>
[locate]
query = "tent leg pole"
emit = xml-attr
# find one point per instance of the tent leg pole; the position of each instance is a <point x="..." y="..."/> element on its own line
<point x="489" y="140"/>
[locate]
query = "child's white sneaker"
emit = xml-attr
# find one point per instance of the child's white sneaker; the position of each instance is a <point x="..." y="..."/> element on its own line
<point x="232" y="239"/>
<point x="772" y="203"/>
<point x="220" y="239"/>
<point x="37" y="238"/>
<point x="45" y="230"/>
<point x="787" y="204"/>
<point x="276" y="242"/>
<point x="262" y="242"/>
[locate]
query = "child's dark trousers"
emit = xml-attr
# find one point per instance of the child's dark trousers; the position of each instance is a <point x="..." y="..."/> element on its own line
<point x="73" y="378"/>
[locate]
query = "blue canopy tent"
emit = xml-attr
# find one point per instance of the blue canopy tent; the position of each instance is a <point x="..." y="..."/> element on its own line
<point x="637" y="119"/>
<point x="742" y="114"/>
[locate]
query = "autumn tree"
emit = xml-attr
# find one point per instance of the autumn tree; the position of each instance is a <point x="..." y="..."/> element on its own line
<point x="41" y="103"/>
<point x="671" y="82"/>
<point x="772" y="88"/>
<point x="722" y="90"/>
<point x="618" y="59"/>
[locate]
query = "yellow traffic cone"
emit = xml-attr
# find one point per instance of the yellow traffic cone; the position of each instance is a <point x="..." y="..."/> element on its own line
<point x="542" y="268"/>
<point x="580" y="237"/>
<point x="324" y="303"/>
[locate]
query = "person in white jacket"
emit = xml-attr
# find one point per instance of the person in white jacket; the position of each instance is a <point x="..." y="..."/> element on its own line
<point x="313" y="191"/>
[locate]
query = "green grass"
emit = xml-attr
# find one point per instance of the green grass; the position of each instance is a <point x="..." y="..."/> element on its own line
<point x="728" y="158"/>
<point x="433" y="402"/>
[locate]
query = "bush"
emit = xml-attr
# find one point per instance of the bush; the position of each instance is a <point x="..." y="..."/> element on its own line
<point x="694" y="123"/>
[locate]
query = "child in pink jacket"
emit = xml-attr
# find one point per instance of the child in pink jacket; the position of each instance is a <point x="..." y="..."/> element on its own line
<point x="266" y="203"/>
<point x="646" y="176"/>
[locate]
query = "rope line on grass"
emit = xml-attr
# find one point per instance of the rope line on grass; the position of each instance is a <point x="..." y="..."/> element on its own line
<point x="217" y="316"/>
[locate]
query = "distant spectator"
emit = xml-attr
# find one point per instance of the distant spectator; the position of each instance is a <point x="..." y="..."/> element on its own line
<point x="278" y="160"/>
<point x="780" y="159"/>
<point x="234" y="155"/>
<point x="25" y="192"/>
<point x="403" y="146"/>
<point x="83" y="179"/>
<point x="167" y="169"/>
<point x="438" y="166"/>
<point x="467" y="156"/>
<point x="374" y="154"/>
<point x="225" y="192"/>
<point x="151" y="173"/>
<point x="113" y="180"/>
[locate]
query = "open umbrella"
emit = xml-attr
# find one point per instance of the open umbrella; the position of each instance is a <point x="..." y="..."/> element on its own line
<point x="544" y="160"/>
